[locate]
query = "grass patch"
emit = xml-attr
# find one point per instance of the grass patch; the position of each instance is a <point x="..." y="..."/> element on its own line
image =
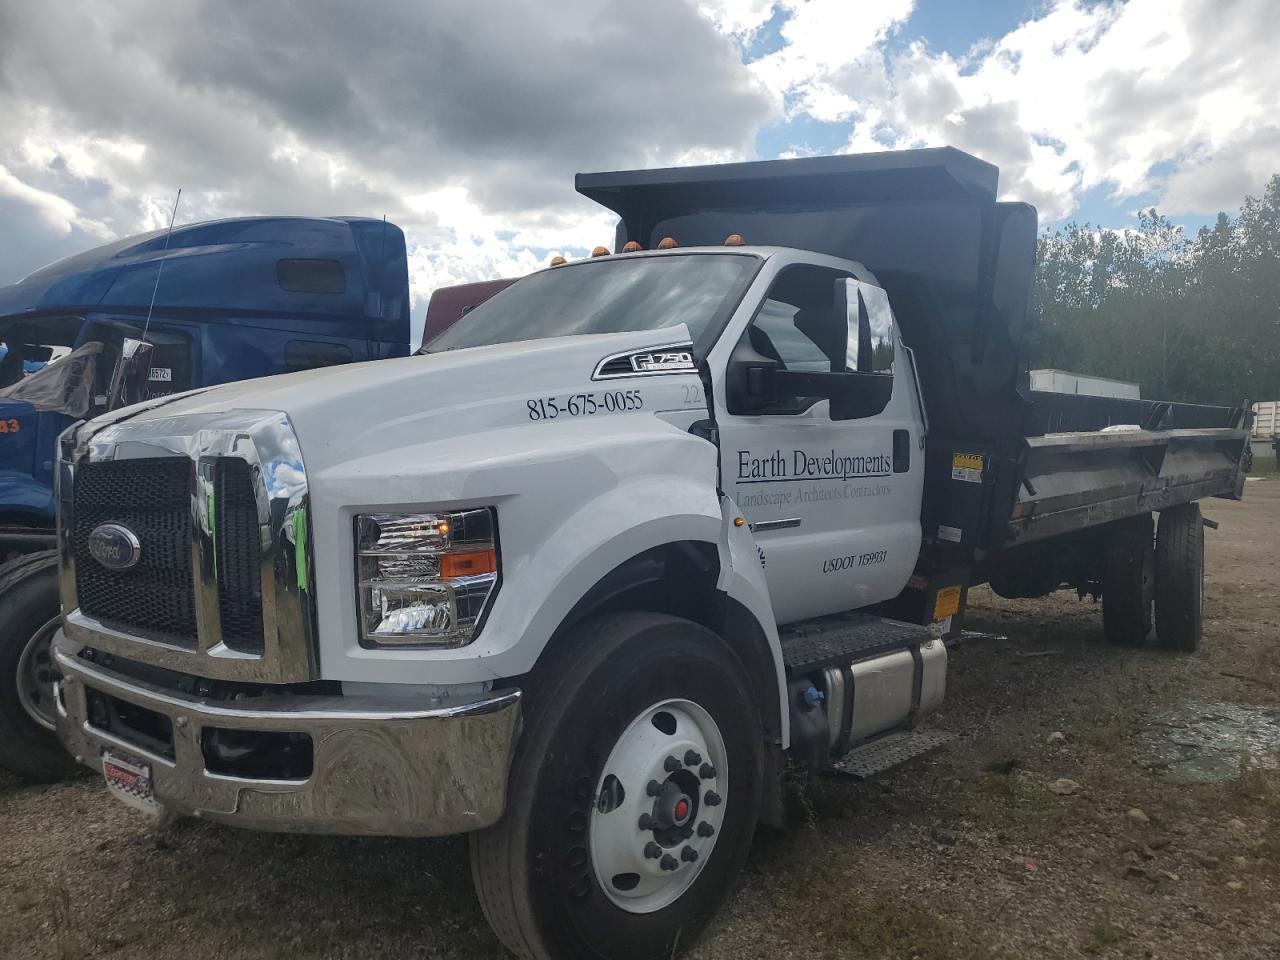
<point x="1256" y="792"/>
<point x="1105" y="933"/>
<point x="1016" y="805"/>
<point x="822" y="912"/>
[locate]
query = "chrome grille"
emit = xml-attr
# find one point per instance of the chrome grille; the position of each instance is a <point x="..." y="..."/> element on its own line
<point x="238" y="543"/>
<point x="152" y="498"/>
<point x="219" y="505"/>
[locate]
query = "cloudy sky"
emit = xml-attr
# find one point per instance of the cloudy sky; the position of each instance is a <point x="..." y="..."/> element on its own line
<point x="465" y="122"/>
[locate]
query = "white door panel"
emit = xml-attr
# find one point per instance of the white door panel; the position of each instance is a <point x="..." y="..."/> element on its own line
<point x="837" y="526"/>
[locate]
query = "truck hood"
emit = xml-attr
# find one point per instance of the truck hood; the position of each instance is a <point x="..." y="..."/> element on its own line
<point x="347" y="412"/>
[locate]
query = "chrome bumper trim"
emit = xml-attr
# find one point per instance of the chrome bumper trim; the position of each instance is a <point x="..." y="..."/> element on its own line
<point x="380" y="769"/>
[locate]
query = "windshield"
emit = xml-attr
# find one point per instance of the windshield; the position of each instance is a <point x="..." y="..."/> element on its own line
<point x="608" y="296"/>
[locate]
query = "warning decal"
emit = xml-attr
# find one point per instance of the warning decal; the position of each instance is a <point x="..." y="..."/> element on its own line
<point x="946" y="603"/>
<point x="966" y="467"/>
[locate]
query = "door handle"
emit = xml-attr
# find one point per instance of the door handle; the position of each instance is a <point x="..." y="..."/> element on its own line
<point x="901" y="451"/>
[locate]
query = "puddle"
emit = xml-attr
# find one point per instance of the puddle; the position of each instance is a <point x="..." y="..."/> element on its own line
<point x="1209" y="742"/>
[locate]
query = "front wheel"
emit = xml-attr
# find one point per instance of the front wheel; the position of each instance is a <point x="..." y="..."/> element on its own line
<point x="633" y="798"/>
<point x="29" y="617"/>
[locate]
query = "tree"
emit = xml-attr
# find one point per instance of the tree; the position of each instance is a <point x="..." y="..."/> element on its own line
<point x="1194" y="319"/>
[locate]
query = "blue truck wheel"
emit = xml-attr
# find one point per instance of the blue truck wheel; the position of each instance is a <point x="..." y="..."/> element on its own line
<point x="28" y="608"/>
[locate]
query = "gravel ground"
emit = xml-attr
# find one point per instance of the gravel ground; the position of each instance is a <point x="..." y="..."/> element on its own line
<point x="982" y="850"/>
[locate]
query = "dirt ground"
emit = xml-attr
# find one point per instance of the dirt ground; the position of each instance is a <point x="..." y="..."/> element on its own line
<point x="966" y="854"/>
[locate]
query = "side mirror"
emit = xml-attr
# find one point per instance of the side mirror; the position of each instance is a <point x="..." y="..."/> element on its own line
<point x="869" y="321"/>
<point x="130" y="376"/>
<point x="855" y="335"/>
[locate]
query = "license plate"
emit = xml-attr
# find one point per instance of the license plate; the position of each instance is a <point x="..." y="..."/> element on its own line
<point x="130" y="781"/>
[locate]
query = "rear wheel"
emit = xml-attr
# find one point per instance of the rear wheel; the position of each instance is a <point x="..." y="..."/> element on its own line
<point x="29" y="617"/>
<point x="1128" y="581"/>
<point x="633" y="797"/>
<point x="1180" y="578"/>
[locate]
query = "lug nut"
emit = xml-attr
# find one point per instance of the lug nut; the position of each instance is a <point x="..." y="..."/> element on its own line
<point x="652" y="851"/>
<point x="647" y="822"/>
<point x="705" y="829"/>
<point x="712" y="799"/>
<point x="668" y="862"/>
<point x="707" y="771"/>
<point x="692" y="758"/>
<point x="653" y="788"/>
<point x="688" y="854"/>
<point x="671" y="764"/>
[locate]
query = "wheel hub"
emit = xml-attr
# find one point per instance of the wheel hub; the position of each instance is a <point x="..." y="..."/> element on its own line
<point x="37" y="676"/>
<point x="659" y="806"/>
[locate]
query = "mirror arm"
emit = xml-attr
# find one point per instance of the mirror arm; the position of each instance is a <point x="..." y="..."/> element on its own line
<point x="799" y="383"/>
<point x="766" y="380"/>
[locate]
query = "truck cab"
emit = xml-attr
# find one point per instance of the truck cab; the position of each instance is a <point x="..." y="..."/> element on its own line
<point x="217" y="302"/>
<point x="584" y="576"/>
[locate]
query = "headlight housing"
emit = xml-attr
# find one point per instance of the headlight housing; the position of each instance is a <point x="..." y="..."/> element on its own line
<point x="424" y="579"/>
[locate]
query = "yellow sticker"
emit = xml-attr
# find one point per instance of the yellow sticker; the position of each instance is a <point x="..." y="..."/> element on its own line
<point x="946" y="603"/>
<point x="966" y="467"/>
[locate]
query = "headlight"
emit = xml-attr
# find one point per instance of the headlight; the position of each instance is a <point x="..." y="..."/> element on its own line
<point x="424" y="578"/>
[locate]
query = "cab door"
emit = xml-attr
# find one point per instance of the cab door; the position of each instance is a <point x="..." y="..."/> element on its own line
<point x="820" y="442"/>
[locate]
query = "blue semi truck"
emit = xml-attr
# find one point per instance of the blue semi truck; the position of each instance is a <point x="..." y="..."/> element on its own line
<point x="142" y="318"/>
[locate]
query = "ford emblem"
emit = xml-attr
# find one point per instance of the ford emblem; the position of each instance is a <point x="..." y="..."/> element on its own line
<point x="115" y="546"/>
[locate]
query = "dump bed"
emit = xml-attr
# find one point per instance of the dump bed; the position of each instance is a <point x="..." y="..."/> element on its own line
<point x="1002" y="463"/>
<point x="1089" y="460"/>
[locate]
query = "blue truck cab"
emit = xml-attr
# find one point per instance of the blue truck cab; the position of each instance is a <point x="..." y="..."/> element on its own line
<point x="204" y="304"/>
<point x="235" y="299"/>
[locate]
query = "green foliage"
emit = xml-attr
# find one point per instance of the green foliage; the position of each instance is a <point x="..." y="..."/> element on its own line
<point x="1195" y="319"/>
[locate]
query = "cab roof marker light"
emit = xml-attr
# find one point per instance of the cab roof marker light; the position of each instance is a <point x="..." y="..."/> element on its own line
<point x="558" y="261"/>
<point x="734" y="240"/>
<point x="600" y="252"/>
<point x="667" y="243"/>
<point x="632" y="246"/>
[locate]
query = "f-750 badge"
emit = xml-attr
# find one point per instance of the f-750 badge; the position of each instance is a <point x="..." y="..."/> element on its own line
<point x="664" y="360"/>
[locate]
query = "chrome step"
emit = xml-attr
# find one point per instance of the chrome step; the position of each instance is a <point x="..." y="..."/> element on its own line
<point x="888" y="752"/>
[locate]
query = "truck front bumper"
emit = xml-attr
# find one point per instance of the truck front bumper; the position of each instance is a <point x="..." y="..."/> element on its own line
<point x="379" y="767"/>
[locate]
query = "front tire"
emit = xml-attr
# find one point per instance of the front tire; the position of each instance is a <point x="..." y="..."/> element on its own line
<point x="1180" y="578"/>
<point x="29" y="614"/>
<point x="603" y="852"/>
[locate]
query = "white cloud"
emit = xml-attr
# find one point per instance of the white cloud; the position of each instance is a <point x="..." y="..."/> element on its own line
<point x="741" y="18"/>
<point x="825" y="62"/>
<point x="1100" y="96"/>
<point x="466" y="130"/>
<point x="59" y="214"/>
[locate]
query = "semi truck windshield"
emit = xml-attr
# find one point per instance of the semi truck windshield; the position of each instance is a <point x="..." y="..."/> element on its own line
<point x="608" y="296"/>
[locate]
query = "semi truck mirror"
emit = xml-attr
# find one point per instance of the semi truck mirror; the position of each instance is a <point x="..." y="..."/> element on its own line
<point x="131" y="373"/>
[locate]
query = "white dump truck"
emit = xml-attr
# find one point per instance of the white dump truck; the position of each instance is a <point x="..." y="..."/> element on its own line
<point x="584" y="576"/>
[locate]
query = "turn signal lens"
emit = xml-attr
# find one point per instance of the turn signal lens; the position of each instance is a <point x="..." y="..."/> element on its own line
<point x="468" y="564"/>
